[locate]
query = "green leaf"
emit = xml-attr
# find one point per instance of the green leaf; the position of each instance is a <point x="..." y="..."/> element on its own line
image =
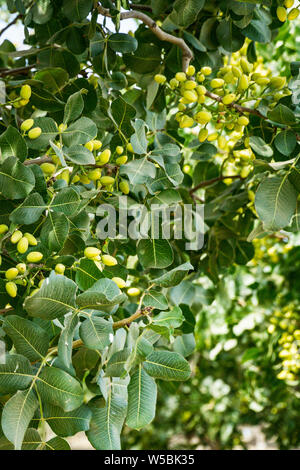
<point x="173" y="277"/>
<point x="104" y="293"/>
<point x="17" y="414"/>
<point x="142" y="395"/>
<point x="58" y="388"/>
<point x="185" y="344"/>
<point x="31" y="441"/>
<point x="183" y="293"/>
<point x="139" y="171"/>
<point x="66" y="424"/>
<point x="56" y="443"/>
<point x="185" y="12"/>
<point x="96" y="332"/>
<point x="42" y="11"/>
<point x="87" y="273"/>
<point x="49" y="132"/>
<point x="285" y="142"/>
<point x="156" y="300"/>
<point x="54" y="78"/>
<point x="116" y="366"/>
<point x="55" y="298"/>
<point x="260" y="147"/>
<point x="29" y="211"/>
<point x="172" y="319"/>
<point x="67" y="201"/>
<point x="146" y="59"/>
<point x="55" y="231"/>
<point x="120" y="42"/>
<point x="167" y="365"/>
<point x="76" y="10"/>
<point x="74" y="107"/>
<point x="122" y="114"/>
<point x="79" y="155"/>
<point x="275" y="202"/>
<point x="138" y="139"/>
<point x="79" y="132"/>
<point x="28" y="338"/>
<point x="16" y="180"/>
<point x="156" y="253"/>
<point x="15" y="374"/>
<point x="12" y="144"/>
<point x="257" y="31"/>
<point x="65" y="347"/>
<point x="229" y="36"/>
<point x="282" y="114"/>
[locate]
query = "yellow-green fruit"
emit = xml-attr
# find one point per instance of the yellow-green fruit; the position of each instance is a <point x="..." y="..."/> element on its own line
<point x="34" y="257"/>
<point x="277" y="82"/>
<point x="75" y="179"/>
<point x="202" y="136"/>
<point x="91" y="252"/>
<point x="31" y="239"/>
<point x="119" y="149"/>
<point x="94" y="175"/>
<point x="21" y="267"/>
<point x="221" y="142"/>
<point x="124" y="187"/>
<point x="180" y="76"/>
<point x="228" y="99"/>
<point x="47" y="168"/>
<point x="97" y="144"/>
<point x="23" y="102"/>
<point x="104" y="157"/>
<point x="243" y="82"/>
<point x="84" y="179"/>
<point x="107" y="180"/>
<point x="201" y="90"/>
<point x="281" y="14"/>
<point x="34" y="133"/>
<point x="11" y="273"/>
<point x="236" y="71"/>
<point x="203" y="117"/>
<point x="160" y="78"/>
<point x="120" y="282"/>
<point x="297" y="334"/>
<point x="246" y="66"/>
<point x="212" y="137"/>
<point x="217" y="83"/>
<point x="129" y="147"/>
<point x="41" y="283"/>
<point x="109" y="260"/>
<point x="3" y="228"/>
<point x="288" y="3"/>
<point x="190" y="95"/>
<point x="262" y="81"/>
<point x="189" y="85"/>
<point x="190" y="70"/>
<point x="89" y="145"/>
<point x="27" y="124"/>
<point x="133" y="291"/>
<point x="11" y="289"/>
<point x="206" y="71"/>
<point x="62" y="127"/>
<point x="16" y="236"/>
<point x="293" y="14"/>
<point x="200" y="77"/>
<point x="64" y="175"/>
<point x="174" y="83"/>
<point x="25" y="92"/>
<point x="60" y="268"/>
<point x="243" y="121"/>
<point x="22" y="245"/>
<point x="121" y="160"/>
<point x="186" y="121"/>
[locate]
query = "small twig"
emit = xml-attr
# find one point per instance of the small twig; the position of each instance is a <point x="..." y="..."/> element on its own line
<point x="18" y="71"/>
<point x="5" y="310"/>
<point x="187" y="54"/>
<point x="212" y="181"/>
<point x="135" y="6"/>
<point x="10" y="24"/>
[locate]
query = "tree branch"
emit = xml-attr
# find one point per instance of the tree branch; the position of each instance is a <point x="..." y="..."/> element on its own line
<point x="10" y="24"/>
<point x="18" y="71"/>
<point x="135" y="6"/>
<point x="187" y="54"/>
<point x="212" y="181"/>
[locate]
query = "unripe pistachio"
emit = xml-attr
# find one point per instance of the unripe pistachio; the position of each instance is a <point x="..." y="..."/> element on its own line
<point x="186" y="121"/>
<point x="229" y="78"/>
<point x="60" y="268"/>
<point x="11" y="273"/>
<point x="246" y="66"/>
<point x="97" y="144"/>
<point x="212" y="137"/>
<point x="34" y="256"/>
<point x="109" y="260"/>
<point x="62" y="127"/>
<point x="281" y="14"/>
<point x="236" y="71"/>
<point x="27" y="124"/>
<point x="133" y="291"/>
<point x="104" y="157"/>
<point x="41" y="283"/>
<point x="174" y="83"/>
<point x="47" y="168"/>
<point x="202" y="136"/>
<point x="181" y="107"/>
<point x="206" y="70"/>
<point x="124" y="187"/>
<point x="203" y="117"/>
<point x="277" y="83"/>
<point x="228" y="99"/>
<point x="121" y="160"/>
<point x="243" y="82"/>
<point x="201" y="99"/>
<point x="11" y="289"/>
<point x="221" y="142"/>
<point x="21" y="267"/>
<point x="189" y="85"/>
<point x="22" y="245"/>
<point x="119" y="149"/>
<point x="75" y="179"/>
<point x="16" y="236"/>
<point x="89" y="145"/>
<point x="288" y="3"/>
<point x="31" y="239"/>
<point x="190" y="96"/>
<point x="262" y="81"/>
<point x="180" y="76"/>
<point x="84" y="179"/>
<point x="217" y="82"/>
<point x="129" y="147"/>
<point x="64" y="175"/>
<point x="243" y="121"/>
<point x="119" y="281"/>
<point x="107" y="180"/>
<point x="25" y="92"/>
<point x="3" y="228"/>
<point x="34" y="133"/>
<point x="91" y="252"/>
<point x="190" y="70"/>
<point x="200" y="77"/>
<point x="160" y="79"/>
<point x="95" y="174"/>
<point x="201" y="90"/>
